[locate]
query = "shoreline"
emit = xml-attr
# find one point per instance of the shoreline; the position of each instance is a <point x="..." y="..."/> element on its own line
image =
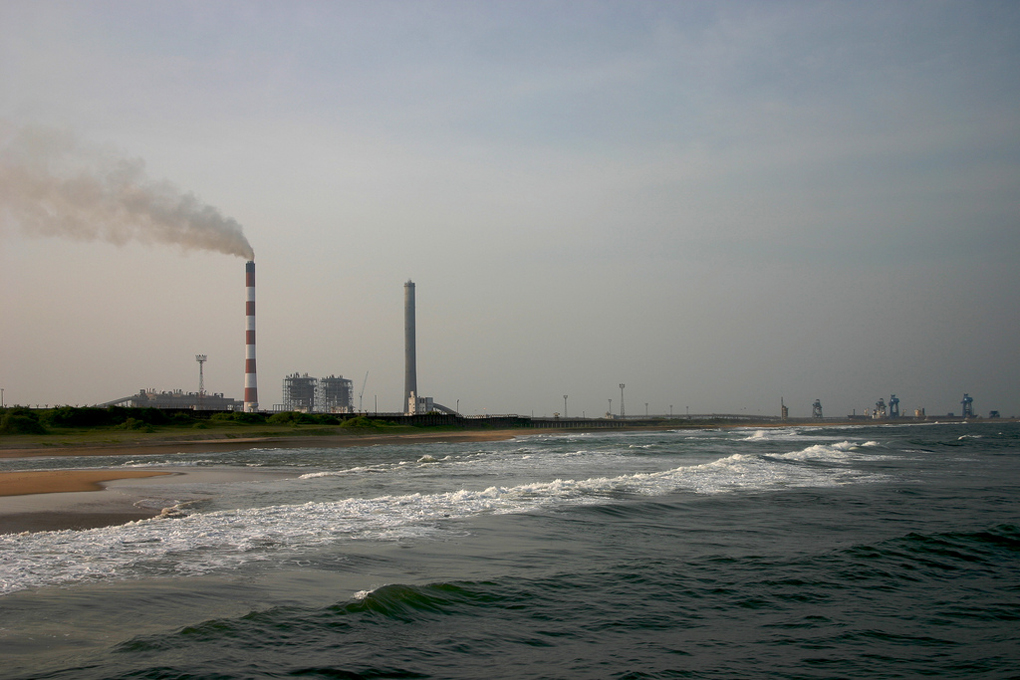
<point x="163" y="446"/>
<point x="176" y="444"/>
<point x="54" y="500"/>
<point x="57" y="500"/>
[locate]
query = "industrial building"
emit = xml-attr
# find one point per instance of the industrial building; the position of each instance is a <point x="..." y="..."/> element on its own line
<point x="178" y="399"/>
<point x="332" y="394"/>
<point x="335" y="394"/>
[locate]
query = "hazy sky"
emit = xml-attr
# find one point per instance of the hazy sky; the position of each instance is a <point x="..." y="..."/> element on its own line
<point x="716" y="203"/>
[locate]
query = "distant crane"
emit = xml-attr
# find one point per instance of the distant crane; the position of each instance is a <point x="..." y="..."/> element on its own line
<point x="362" y="393"/>
<point x="968" y="406"/>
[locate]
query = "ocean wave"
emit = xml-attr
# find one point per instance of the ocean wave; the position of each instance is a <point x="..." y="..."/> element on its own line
<point x="225" y="539"/>
<point x="361" y="469"/>
<point x="170" y="462"/>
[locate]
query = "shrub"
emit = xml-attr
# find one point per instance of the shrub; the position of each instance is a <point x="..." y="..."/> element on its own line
<point x="15" y="422"/>
<point x="71" y="416"/>
<point x="153" y="416"/>
<point x="135" y="424"/>
<point x="243" y="417"/>
<point x="362" y="421"/>
<point x="294" y="418"/>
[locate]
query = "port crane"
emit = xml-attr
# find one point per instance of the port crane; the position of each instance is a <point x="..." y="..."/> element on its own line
<point x="362" y="393"/>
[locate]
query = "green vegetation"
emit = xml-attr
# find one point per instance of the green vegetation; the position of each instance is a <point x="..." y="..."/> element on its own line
<point x="21" y="421"/>
<point x="70" y="425"/>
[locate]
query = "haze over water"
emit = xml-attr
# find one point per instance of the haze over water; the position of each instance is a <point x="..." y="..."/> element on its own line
<point x="807" y="552"/>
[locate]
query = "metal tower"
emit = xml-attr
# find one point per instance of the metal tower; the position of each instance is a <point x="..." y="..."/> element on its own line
<point x="894" y="407"/>
<point x="200" y="358"/>
<point x="816" y="409"/>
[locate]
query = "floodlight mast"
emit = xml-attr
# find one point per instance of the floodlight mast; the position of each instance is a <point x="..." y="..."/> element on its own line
<point x="201" y="359"/>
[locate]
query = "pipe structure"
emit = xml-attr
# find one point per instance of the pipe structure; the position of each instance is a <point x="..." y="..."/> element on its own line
<point x="410" y="368"/>
<point x="251" y="392"/>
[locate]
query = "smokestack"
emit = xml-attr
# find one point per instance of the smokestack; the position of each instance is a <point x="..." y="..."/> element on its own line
<point x="410" y="370"/>
<point x="251" y="392"/>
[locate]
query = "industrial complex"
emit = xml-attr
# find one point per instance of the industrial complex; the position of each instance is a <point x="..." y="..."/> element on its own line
<point x="335" y="394"/>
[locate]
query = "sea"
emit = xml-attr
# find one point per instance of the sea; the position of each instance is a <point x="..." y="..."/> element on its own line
<point x="870" y="551"/>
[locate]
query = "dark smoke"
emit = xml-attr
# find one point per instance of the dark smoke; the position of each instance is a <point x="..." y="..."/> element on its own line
<point x="53" y="184"/>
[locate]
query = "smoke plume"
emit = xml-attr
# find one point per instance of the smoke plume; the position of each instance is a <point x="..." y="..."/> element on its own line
<point x="53" y="184"/>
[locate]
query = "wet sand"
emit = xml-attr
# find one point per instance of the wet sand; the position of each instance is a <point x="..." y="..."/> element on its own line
<point x="55" y="500"/>
<point x="51" y="500"/>
<point x="64" y="481"/>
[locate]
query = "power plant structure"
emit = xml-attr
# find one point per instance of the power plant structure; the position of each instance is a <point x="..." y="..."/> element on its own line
<point x="410" y="365"/>
<point x="251" y="391"/>
<point x="414" y="404"/>
<point x="177" y="399"/>
<point x="335" y="394"/>
<point x="299" y="393"/>
<point x="332" y="394"/>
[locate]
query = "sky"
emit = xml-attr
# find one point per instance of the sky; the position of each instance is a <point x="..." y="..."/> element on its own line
<point x="721" y="205"/>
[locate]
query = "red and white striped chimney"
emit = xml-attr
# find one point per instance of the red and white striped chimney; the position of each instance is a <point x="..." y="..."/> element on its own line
<point x="251" y="391"/>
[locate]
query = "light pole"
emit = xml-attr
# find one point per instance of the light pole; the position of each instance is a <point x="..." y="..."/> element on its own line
<point x="622" y="412"/>
<point x="201" y="359"/>
<point x="646" y="409"/>
<point x="610" y="407"/>
<point x="671" y="411"/>
<point x="564" y="406"/>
